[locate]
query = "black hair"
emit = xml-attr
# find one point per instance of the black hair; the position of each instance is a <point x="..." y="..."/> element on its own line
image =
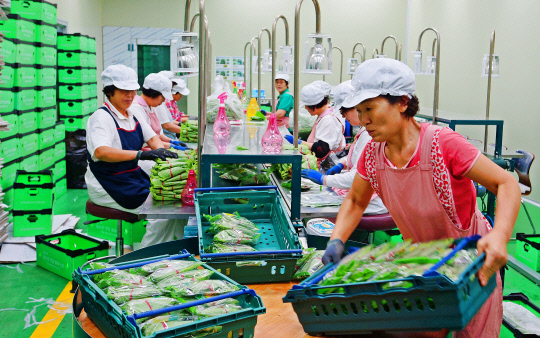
<point x="321" y="104"/>
<point x="413" y="104"/>
<point x="151" y="93"/>
<point x="109" y="90"/>
<point x="344" y="110"/>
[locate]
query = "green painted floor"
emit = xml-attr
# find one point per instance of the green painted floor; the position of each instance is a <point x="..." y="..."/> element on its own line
<point x="39" y="283"/>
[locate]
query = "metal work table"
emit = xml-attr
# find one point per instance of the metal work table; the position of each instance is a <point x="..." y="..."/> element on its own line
<point x="248" y="136"/>
<point x="153" y="209"/>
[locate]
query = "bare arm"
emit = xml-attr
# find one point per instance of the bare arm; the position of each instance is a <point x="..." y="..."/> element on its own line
<point x="280" y="113"/>
<point x="170" y="126"/>
<point x="352" y="209"/>
<point x="155" y="143"/>
<point x="505" y="187"/>
<point x="110" y="154"/>
<point x="164" y="138"/>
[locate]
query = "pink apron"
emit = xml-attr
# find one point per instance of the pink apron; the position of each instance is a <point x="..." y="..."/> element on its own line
<point x="154" y="120"/>
<point x="284" y="121"/>
<point x="311" y="138"/>
<point x="409" y="195"/>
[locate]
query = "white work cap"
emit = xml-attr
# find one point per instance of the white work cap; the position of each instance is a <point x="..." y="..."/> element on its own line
<point x="180" y="87"/>
<point x="170" y="75"/>
<point x="121" y="77"/>
<point x="377" y="77"/>
<point x="314" y="93"/>
<point x="160" y="83"/>
<point x="285" y="77"/>
<point x="342" y="92"/>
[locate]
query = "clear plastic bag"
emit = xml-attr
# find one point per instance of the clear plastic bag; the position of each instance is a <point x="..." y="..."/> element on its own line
<point x="233" y="105"/>
<point x="305" y="120"/>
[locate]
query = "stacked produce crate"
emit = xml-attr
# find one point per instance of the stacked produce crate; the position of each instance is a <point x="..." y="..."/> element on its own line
<point x="27" y="91"/>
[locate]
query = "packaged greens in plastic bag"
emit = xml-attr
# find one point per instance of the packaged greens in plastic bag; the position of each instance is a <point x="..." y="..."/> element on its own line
<point x="222" y="248"/>
<point x="227" y="305"/>
<point x="191" y="276"/>
<point x="207" y="288"/>
<point x="226" y="221"/>
<point x="306" y="255"/>
<point x="232" y="236"/>
<point x="147" y="304"/>
<point x="98" y="266"/>
<point x="312" y="265"/>
<point x="259" y="179"/>
<point x="164" y="322"/>
<point x="203" y="332"/>
<point x="121" y="278"/>
<point x="123" y="294"/>
<point x="238" y="174"/>
<point x="177" y="268"/>
<point x="148" y="269"/>
<point x="233" y="105"/>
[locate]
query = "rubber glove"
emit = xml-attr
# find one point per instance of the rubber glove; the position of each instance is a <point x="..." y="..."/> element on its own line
<point x="178" y="143"/>
<point x="264" y="112"/>
<point x="313" y="175"/>
<point x="335" y="169"/>
<point x="290" y="138"/>
<point x="334" y="251"/>
<point x="178" y="147"/>
<point x="160" y="153"/>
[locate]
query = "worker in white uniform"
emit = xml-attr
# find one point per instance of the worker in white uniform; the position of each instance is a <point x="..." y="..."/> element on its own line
<point x="327" y="134"/>
<point x="169" y="124"/>
<point x="114" y="139"/>
<point x="341" y="176"/>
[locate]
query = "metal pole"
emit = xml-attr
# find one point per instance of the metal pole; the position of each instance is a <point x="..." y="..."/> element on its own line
<point x="202" y="88"/>
<point x="274" y="55"/>
<point x="341" y="68"/>
<point x="375" y="53"/>
<point x="363" y="54"/>
<point x="490" y="70"/>
<point x="437" y="70"/>
<point x="395" y="41"/>
<point x="245" y="65"/>
<point x="186" y="15"/>
<point x="297" y="59"/>
<point x="251" y="65"/>
<point x="259" y="61"/>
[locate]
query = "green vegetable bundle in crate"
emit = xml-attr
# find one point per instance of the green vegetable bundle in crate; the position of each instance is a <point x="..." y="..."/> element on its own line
<point x="284" y="170"/>
<point x="168" y="177"/>
<point x="232" y="233"/>
<point x="245" y="175"/>
<point x="189" y="131"/>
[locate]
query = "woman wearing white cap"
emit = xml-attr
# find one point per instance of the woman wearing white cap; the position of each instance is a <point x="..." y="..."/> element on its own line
<point x="168" y="113"/>
<point x="327" y="134"/>
<point x="341" y="176"/>
<point x="114" y="139"/>
<point x="284" y="103"/>
<point x="423" y="175"/>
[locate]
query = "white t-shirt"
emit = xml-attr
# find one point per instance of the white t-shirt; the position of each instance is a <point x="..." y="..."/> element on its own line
<point x="163" y="113"/>
<point x="330" y="130"/>
<point x="101" y="131"/>
<point x="137" y="110"/>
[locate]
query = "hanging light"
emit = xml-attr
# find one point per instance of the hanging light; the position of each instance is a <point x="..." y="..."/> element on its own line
<point x="418" y="66"/>
<point x="255" y="65"/>
<point x="352" y="64"/>
<point x="318" y="60"/>
<point x="494" y="66"/>
<point x="184" y="55"/>
<point x="287" y="64"/>
<point x="267" y="61"/>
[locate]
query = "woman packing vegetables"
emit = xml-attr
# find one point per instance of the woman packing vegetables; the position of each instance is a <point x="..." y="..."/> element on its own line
<point x="327" y="134"/>
<point x="284" y="103"/>
<point x="114" y="139"/>
<point x="165" y="111"/>
<point x="341" y="176"/>
<point x="423" y="175"/>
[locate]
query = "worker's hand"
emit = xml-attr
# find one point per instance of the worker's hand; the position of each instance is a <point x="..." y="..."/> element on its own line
<point x="178" y="147"/>
<point x="334" y="251"/>
<point x="494" y="245"/>
<point x="161" y="153"/>
<point x="178" y="143"/>
<point x="335" y="169"/>
<point x="290" y="138"/>
<point x="313" y="175"/>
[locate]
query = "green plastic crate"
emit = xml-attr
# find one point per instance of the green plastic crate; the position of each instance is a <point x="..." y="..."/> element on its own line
<point x="107" y="229"/>
<point x="45" y="54"/>
<point x="70" y="42"/>
<point x="46" y="138"/>
<point x="24" y="75"/>
<point x="278" y="245"/>
<point x="528" y="250"/>
<point x="72" y="75"/>
<point x="9" y="50"/>
<point x="59" y="131"/>
<point x="46" y="33"/>
<point x="7" y="77"/>
<point x="46" y="96"/>
<point x="92" y="61"/>
<point x="9" y="171"/>
<point x="46" y="117"/>
<point x="93" y="105"/>
<point x="35" y="10"/>
<point x="73" y="107"/>
<point x="522" y="300"/>
<point x="92" y="90"/>
<point x="60" y="168"/>
<point x="91" y="47"/>
<point x="72" y="91"/>
<point x="8" y="200"/>
<point x="13" y="120"/>
<point x="32" y="223"/>
<point x="26" y="53"/>
<point x="68" y="58"/>
<point x="29" y="163"/>
<point x="74" y="123"/>
<point x="33" y="190"/>
<point x="7" y="101"/>
<point x="28" y="121"/>
<point x="17" y="27"/>
<point x="46" y="76"/>
<point x="9" y="150"/>
<point x="59" y="151"/>
<point x="60" y="188"/>
<point x="30" y="142"/>
<point x="393" y="236"/>
<point x="63" y="253"/>
<point x="25" y="98"/>
<point x="46" y="158"/>
<point x="92" y="74"/>
<point x="113" y="322"/>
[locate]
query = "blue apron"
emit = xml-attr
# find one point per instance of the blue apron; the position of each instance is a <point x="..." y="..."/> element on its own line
<point x="124" y="181"/>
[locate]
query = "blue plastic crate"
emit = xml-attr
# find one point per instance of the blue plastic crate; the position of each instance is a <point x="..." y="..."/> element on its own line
<point x="114" y="322"/>
<point x="278" y="246"/>
<point x="433" y="303"/>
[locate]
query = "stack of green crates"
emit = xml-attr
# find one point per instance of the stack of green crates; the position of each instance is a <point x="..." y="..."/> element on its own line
<point x="32" y="203"/>
<point x="77" y="75"/>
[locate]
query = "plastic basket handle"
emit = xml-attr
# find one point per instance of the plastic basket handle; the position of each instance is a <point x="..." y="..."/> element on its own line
<point x="134" y="265"/>
<point x="251" y="253"/>
<point x="431" y="272"/>
<point x="236" y="188"/>
<point x="135" y="316"/>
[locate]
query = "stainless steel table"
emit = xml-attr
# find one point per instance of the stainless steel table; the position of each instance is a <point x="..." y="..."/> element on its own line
<point x="153" y="209"/>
